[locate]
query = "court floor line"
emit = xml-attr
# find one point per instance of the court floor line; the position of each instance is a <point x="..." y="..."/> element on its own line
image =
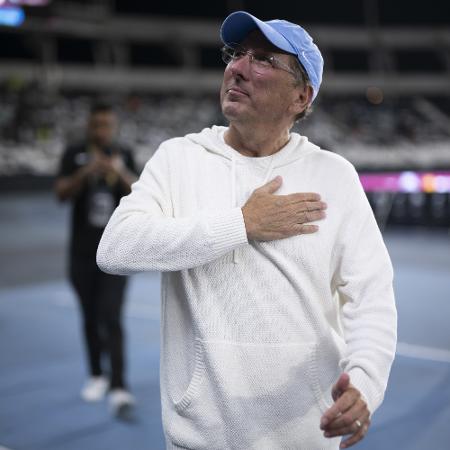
<point x="152" y="312"/>
<point x="423" y="352"/>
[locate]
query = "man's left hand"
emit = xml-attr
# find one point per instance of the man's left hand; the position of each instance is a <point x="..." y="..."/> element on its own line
<point x="349" y="414"/>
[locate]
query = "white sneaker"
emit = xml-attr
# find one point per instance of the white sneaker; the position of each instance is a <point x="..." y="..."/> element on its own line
<point x="94" y="389"/>
<point x="121" y="403"/>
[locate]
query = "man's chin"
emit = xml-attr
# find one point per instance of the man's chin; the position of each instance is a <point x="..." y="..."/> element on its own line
<point x="232" y="110"/>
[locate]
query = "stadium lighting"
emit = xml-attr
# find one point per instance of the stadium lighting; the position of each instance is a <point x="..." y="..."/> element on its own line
<point x="407" y="181"/>
<point x="375" y="95"/>
<point x="11" y="16"/>
<point x="24" y="2"/>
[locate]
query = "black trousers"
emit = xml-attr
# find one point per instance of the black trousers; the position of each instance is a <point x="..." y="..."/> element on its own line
<point x="101" y="297"/>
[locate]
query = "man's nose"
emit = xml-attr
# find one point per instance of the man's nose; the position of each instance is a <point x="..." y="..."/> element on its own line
<point x="240" y="66"/>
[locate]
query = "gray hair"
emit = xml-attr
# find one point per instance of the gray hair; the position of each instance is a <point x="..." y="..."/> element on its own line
<point x="301" y="78"/>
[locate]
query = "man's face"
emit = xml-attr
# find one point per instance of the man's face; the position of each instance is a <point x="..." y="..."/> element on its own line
<point x="102" y="128"/>
<point x="263" y="96"/>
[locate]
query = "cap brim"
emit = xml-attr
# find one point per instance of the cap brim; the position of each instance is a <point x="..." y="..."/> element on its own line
<point x="240" y="23"/>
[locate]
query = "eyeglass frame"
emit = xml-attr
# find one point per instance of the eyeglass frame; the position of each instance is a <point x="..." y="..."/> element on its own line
<point x="274" y="62"/>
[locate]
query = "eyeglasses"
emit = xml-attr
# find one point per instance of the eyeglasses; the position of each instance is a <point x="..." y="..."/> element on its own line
<point x="261" y="62"/>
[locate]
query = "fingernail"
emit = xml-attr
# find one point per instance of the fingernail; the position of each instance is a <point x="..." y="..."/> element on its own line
<point x="324" y="422"/>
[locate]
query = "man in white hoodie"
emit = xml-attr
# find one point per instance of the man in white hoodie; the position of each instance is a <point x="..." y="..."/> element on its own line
<point x="276" y="333"/>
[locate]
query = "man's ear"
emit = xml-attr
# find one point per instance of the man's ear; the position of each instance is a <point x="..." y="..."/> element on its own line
<point x="303" y="98"/>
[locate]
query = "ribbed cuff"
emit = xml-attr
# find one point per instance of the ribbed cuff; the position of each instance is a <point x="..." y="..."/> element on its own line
<point x="366" y="387"/>
<point x="227" y="230"/>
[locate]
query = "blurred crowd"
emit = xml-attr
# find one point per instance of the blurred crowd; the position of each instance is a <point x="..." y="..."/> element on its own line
<point x="391" y="134"/>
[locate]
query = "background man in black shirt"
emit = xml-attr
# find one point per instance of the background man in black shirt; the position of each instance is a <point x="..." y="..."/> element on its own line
<point x="94" y="175"/>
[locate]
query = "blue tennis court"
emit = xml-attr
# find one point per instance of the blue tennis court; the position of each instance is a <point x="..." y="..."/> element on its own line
<point x="42" y="365"/>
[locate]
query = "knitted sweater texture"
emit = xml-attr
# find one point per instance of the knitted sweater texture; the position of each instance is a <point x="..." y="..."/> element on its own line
<point x="254" y="334"/>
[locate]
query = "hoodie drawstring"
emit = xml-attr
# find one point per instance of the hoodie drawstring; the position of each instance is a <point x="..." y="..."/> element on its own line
<point x="233" y="189"/>
<point x="233" y="194"/>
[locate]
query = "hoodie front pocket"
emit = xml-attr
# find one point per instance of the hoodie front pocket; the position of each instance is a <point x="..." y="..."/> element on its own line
<point x="258" y="395"/>
<point x="197" y="377"/>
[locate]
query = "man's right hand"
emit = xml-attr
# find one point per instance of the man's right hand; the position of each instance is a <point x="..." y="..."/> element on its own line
<point x="268" y="217"/>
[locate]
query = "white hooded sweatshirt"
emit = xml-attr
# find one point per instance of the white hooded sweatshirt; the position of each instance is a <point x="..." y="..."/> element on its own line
<point x="254" y="334"/>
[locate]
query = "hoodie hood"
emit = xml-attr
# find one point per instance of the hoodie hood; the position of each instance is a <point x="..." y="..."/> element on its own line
<point x="212" y="140"/>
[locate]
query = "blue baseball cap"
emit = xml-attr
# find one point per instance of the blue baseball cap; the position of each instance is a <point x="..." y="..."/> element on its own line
<point x="284" y="35"/>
